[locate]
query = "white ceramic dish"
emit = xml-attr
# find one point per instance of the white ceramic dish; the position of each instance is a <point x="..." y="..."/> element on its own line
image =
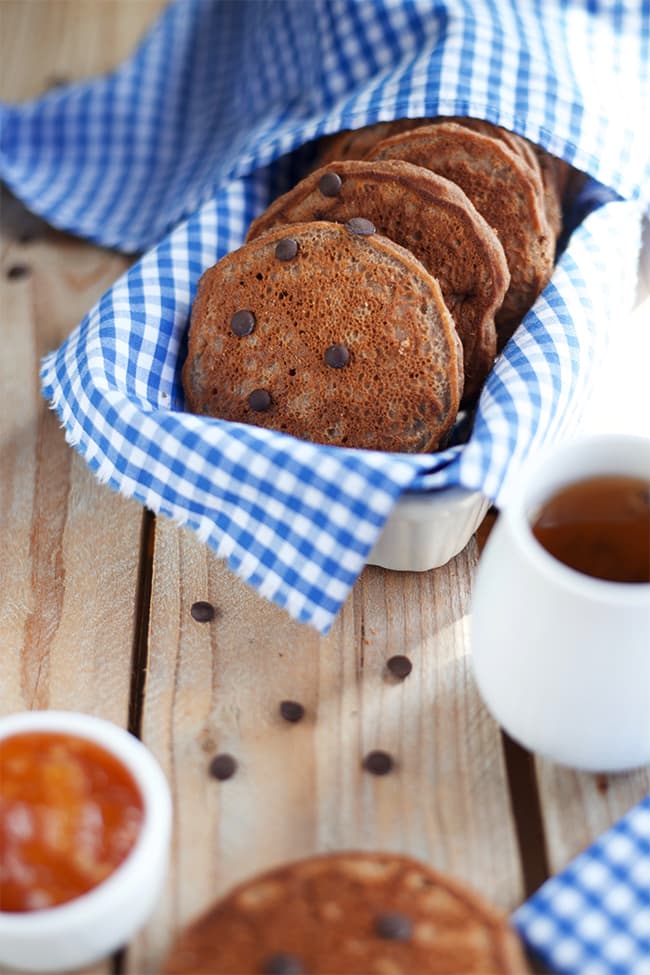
<point x="561" y="658"/>
<point x="426" y="531"/>
<point x="93" y="925"/>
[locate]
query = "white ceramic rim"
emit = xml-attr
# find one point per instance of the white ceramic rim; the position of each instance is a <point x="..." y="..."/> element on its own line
<point x="156" y="825"/>
<point x="443" y="497"/>
<point x="520" y="512"/>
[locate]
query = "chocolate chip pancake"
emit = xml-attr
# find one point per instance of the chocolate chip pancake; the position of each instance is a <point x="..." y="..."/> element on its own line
<point x="356" y="143"/>
<point x="328" y="332"/>
<point x="542" y="163"/>
<point x="430" y="216"/>
<point x="349" y="914"/>
<point x="555" y="175"/>
<point x="503" y="188"/>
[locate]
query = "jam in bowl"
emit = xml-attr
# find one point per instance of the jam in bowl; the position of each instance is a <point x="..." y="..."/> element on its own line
<point x="85" y="823"/>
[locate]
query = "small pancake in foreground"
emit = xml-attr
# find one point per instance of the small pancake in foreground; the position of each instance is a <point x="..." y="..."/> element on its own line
<point x="432" y="218"/>
<point x="503" y="188"/>
<point x="350" y="914"/>
<point x="334" y="335"/>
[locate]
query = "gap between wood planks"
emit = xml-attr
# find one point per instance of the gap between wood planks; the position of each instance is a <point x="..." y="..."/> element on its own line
<point x="527" y="814"/>
<point x="139" y="658"/>
<point x="140" y="653"/>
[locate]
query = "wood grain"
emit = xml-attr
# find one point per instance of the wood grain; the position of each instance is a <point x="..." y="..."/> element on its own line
<point x="300" y="788"/>
<point x="577" y="807"/>
<point x="70" y="548"/>
<point x="49" y="41"/>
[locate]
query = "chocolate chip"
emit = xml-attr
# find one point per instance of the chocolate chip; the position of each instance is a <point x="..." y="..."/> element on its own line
<point x="28" y="236"/>
<point x="56" y="81"/>
<point x="223" y="767"/>
<point x="242" y="322"/>
<point x="394" y="926"/>
<point x="286" y="249"/>
<point x="378" y="762"/>
<point x="292" y="710"/>
<point x="17" y="271"/>
<point x="337" y="356"/>
<point x="359" y="225"/>
<point x="282" y="964"/>
<point x="399" y="666"/>
<point x="202" y="612"/>
<point x="330" y="184"/>
<point x="259" y="400"/>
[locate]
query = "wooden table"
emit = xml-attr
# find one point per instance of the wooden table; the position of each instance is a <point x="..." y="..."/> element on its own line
<point x="95" y="616"/>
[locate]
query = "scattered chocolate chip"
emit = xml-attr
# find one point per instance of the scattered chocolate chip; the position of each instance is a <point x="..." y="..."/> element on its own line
<point x="16" y="221"/>
<point x="330" y="184"/>
<point x="286" y="249"/>
<point x="394" y="926"/>
<point x="399" y="666"/>
<point x="242" y="322"/>
<point x="378" y="762"/>
<point x="56" y="81"/>
<point x="17" y="271"/>
<point x="202" y="612"/>
<point x="359" y="225"/>
<point x="259" y="400"/>
<point x="337" y="356"/>
<point x="223" y="767"/>
<point x="282" y="964"/>
<point x="292" y="710"/>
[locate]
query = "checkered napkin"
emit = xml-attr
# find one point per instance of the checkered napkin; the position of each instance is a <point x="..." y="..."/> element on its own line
<point x="594" y="917"/>
<point x="174" y="153"/>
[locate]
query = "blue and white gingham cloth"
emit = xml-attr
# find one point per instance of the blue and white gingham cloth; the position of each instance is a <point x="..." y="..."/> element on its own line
<point x="593" y="918"/>
<point x="174" y="153"/>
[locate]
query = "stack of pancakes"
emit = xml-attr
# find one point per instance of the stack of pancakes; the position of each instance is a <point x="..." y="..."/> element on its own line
<point x="368" y="303"/>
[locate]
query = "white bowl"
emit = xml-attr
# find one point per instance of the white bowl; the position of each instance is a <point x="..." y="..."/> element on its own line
<point x="94" y="924"/>
<point x="426" y="530"/>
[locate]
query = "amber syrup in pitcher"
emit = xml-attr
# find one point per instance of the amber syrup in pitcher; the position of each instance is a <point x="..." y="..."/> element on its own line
<point x="599" y="526"/>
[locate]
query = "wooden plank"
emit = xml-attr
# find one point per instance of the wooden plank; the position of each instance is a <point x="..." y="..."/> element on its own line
<point x="300" y="788"/>
<point x="69" y="548"/>
<point x="43" y="43"/>
<point x="577" y="807"/>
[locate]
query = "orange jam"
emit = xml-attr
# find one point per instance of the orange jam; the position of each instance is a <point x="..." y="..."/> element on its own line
<point x="69" y="814"/>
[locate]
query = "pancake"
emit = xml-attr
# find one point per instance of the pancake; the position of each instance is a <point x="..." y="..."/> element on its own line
<point x="356" y="143"/>
<point x="503" y="188"/>
<point x="555" y="176"/>
<point x="349" y="914"/>
<point x="330" y="333"/>
<point x="430" y="216"/>
<point x="545" y="167"/>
